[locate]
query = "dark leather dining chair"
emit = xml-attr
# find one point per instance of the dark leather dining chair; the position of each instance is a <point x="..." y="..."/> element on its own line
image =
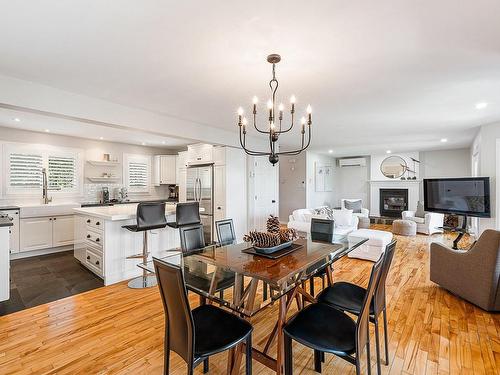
<point x="322" y="230"/>
<point x="327" y="330"/>
<point x="225" y="232"/>
<point x="349" y="297"/>
<point x="192" y="237"/>
<point x="197" y="334"/>
<point x="186" y="214"/>
<point x="150" y="215"/>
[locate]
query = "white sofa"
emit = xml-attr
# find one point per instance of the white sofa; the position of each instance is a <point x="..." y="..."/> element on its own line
<point x="365" y="212"/>
<point x="300" y="220"/>
<point x="432" y="222"/>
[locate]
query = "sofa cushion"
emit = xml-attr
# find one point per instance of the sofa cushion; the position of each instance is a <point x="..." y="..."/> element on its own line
<point x="355" y="206"/>
<point x="418" y="220"/>
<point x="343" y="218"/>
<point x="300" y="214"/>
<point x="375" y="237"/>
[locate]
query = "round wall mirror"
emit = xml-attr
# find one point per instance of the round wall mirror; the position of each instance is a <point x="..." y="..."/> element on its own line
<point x="393" y="167"/>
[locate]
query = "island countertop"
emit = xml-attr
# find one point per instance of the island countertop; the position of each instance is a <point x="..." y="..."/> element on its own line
<point x="118" y="212"/>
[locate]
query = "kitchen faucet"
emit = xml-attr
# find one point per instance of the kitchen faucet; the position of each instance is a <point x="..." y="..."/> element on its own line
<point x="45" y="196"/>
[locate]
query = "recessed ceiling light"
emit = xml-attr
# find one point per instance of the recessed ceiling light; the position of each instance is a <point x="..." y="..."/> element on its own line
<point x="17" y="119"/>
<point x="388" y="151"/>
<point x="47" y="131"/>
<point x="143" y="143"/>
<point x="444" y="140"/>
<point x="163" y="142"/>
<point x="101" y="138"/>
<point x="330" y="151"/>
<point x="481" y="105"/>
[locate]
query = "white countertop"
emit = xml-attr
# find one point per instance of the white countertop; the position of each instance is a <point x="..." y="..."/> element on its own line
<point x="118" y="212"/>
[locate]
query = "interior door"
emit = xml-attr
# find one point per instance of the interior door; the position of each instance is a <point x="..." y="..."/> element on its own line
<point x="265" y="177"/>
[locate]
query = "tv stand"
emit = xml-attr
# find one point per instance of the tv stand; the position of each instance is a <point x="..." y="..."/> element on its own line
<point x="460" y="230"/>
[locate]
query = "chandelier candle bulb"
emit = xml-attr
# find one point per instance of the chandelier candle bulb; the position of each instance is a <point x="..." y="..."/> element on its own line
<point x="255" y="101"/>
<point x="292" y="100"/>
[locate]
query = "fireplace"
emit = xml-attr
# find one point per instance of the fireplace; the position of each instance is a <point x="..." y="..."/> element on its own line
<point x="393" y="202"/>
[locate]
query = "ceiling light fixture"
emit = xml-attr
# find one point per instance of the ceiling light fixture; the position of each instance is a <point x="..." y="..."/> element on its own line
<point x="163" y="142"/>
<point x="143" y="143"/>
<point x="275" y="129"/>
<point x="388" y="151"/>
<point x="444" y="140"/>
<point x="101" y="138"/>
<point x="481" y="105"/>
<point x="17" y="119"/>
<point x="47" y="131"/>
<point x="330" y="151"/>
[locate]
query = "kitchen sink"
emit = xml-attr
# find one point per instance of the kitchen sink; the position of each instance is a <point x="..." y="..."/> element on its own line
<point x="51" y="209"/>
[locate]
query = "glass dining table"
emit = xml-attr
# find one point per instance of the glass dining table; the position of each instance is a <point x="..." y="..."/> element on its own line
<point x="246" y="284"/>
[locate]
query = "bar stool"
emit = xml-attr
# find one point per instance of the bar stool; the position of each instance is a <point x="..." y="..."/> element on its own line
<point x="150" y="215"/>
<point x="186" y="214"/>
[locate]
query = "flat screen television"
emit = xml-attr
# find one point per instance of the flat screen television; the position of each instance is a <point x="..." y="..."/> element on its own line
<point x="468" y="196"/>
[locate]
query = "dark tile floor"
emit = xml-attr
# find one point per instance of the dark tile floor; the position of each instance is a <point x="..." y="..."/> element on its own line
<point x="46" y="278"/>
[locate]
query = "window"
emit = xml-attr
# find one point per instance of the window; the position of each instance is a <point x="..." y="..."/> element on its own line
<point x="24" y="164"/>
<point x="137" y="173"/>
<point x="62" y="173"/>
<point x="25" y="170"/>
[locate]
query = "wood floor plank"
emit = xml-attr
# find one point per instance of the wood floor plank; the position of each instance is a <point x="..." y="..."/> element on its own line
<point x="116" y="330"/>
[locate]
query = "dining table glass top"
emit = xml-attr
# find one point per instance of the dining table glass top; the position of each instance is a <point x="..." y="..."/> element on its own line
<point x="247" y="283"/>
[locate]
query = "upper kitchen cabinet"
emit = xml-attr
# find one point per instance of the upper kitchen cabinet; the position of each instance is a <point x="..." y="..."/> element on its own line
<point x="200" y="153"/>
<point x="165" y="170"/>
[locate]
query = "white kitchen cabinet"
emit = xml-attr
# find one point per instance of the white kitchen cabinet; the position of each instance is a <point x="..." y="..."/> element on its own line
<point x="182" y="184"/>
<point x="63" y="230"/>
<point x="35" y="233"/>
<point x="200" y="153"/>
<point x="38" y="233"/>
<point x="180" y="164"/>
<point x="219" y="155"/>
<point x="219" y="192"/>
<point x="164" y="170"/>
<point x="13" y="215"/>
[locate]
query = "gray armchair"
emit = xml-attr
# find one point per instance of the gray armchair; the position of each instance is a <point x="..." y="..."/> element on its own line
<point x="473" y="275"/>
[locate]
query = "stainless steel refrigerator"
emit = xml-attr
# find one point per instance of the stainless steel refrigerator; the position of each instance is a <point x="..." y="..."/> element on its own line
<point x="200" y="188"/>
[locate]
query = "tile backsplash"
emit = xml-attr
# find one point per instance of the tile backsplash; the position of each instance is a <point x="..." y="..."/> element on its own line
<point x="92" y="192"/>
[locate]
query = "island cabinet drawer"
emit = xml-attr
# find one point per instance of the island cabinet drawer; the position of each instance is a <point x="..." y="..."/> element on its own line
<point x="95" y="238"/>
<point x="94" y="223"/>
<point x="93" y="260"/>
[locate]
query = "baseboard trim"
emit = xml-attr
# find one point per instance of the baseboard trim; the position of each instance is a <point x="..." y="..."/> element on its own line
<point x="34" y="253"/>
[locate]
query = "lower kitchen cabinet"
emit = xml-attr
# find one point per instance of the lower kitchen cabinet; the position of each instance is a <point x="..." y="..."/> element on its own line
<point x="45" y="232"/>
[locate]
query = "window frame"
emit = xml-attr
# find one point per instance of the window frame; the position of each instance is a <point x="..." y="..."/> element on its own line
<point x="45" y="151"/>
<point x="137" y="158"/>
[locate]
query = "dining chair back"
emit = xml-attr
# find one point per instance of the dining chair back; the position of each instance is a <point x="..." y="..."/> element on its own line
<point x="379" y="296"/>
<point x="225" y="232"/>
<point x="192" y="237"/>
<point x="362" y="326"/>
<point x="179" y="320"/>
<point x="322" y="229"/>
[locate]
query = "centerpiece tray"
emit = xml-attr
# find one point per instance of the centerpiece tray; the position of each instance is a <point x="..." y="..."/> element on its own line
<point x="274" y="252"/>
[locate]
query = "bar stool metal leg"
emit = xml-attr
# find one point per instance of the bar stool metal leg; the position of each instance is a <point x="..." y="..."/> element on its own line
<point x="146" y="280"/>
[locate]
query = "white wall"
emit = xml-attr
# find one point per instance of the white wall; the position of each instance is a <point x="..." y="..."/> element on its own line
<point x="352" y="183"/>
<point x="313" y="197"/>
<point x="445" y="163"/>
<point x="93" y="150"/>
<point x="292" y="184"/>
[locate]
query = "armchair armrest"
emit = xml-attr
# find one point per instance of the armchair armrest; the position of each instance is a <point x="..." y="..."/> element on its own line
<point x="365" y="212"/>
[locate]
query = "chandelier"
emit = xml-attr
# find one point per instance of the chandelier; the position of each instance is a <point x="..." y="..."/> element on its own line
<point x="274" y="129"/>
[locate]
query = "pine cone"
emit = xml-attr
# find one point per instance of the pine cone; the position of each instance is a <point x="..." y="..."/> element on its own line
<point x="288" y="234"/>
<point x="261" y="239"/>
<point x="273" y="224"/>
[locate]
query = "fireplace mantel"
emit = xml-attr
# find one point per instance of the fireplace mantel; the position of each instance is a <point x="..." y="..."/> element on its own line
<point x="413" y="187"/>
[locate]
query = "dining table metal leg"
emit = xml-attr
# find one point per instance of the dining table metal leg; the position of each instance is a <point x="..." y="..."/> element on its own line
<point x="280" y="359"/>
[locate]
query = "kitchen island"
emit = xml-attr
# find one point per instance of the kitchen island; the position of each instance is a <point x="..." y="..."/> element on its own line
<point x="102" y="245"/>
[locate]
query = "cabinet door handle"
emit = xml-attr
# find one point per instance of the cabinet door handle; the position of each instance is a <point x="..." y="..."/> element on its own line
<point x="97" y="223"/>
<point x="54" y="219"/>
<point x="97" y="239"/>
<point x="88" y="235"/>
<point x="50" y="219"/>
<point x="88" y="221"/>
<point x="88" y="257"/>
<point x="96" y="262"/>
<point x="273" y="201"/>
<point x="219" y="208"/>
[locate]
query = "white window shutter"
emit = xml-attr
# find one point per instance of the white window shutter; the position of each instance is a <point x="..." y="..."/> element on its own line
<point x="62" y="173"/>
<point x="25" y="170"/>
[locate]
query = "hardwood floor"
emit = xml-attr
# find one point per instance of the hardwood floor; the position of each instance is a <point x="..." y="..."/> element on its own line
<point x="116" y="330"/>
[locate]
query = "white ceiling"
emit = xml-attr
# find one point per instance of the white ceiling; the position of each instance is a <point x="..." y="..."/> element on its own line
<point x="380" y="75"/>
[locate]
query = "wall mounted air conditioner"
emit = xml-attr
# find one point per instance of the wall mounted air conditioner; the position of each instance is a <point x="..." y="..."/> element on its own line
<point x="352" y="162"/>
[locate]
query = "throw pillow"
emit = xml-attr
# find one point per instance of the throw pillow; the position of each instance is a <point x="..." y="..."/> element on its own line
<point x="420" y="210"/>
<point x="325" y="212"/>
<point x="343" y="218"/>
<point x="355" y="206"/>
